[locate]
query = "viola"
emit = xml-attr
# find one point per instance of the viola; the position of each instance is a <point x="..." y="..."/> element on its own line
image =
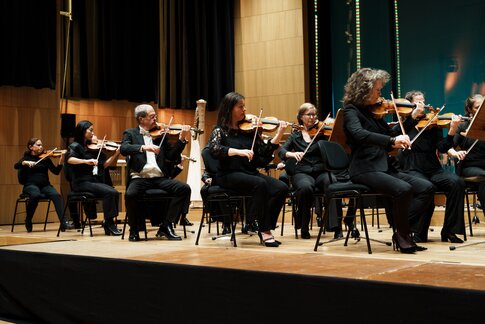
<point x="266" y="124"/>
<point x="52" y="154"/>
<point x="325" y="130"/>
<point x="442" y="121"/>
<point x="109" y="146"/>
<point x="174" y="129"/>
<point x="384" y="107"/>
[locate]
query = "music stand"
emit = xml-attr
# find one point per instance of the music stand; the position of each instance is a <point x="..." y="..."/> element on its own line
<point x="475" y="130"/>
<point x="338" y="133"/>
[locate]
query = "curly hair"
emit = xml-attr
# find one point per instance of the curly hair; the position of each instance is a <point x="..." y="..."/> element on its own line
<point x="470" y="102"/>
<point x="224" y="117"/>
<point x="360" y="84"/>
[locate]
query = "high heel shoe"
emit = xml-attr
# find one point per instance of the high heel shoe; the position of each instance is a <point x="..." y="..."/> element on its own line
<point x="445" y="237"/>
<point x="268" y="242"/>
<point x="110" y="228"/>
<point x="403" y="243"/>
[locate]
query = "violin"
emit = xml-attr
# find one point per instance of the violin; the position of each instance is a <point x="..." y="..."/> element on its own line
<point x="325" y="130"/>
<point x="52" y="154"/>
<point x="175" y="129"/>
<point x="266" y="124"/>
<point x="109" y="146"/>
<point x="442" y="121"/>
<point x="384" y="107"/>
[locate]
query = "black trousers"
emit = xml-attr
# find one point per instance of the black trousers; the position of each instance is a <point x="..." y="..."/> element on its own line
<point x="49" y="191"/>
<point x="410" y="197"/>
<point x="305" y="186"/>
<point x="178" y="204"/>
<point x="476" y="171"/>
<point x="267" y="196"/>
<point x="109" y="195"/>
<point x="454" y="187"/>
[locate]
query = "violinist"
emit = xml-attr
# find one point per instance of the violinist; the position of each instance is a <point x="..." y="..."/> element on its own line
<point x="471" y="164"/>
<point x="240" y="160"/>
<point x="112" y="154"/>
<point x="370" y="140"/>
<point x="422" y="162"/>
<point x="33" y="173"/>
<point x="83" y="169"/>
<point x="145" y="164"/>
<point x="308" y="174"/>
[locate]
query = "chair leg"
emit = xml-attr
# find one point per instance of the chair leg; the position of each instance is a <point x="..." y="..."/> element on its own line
<point x="47" y="214"/>
<point x="15" y="213"/>
<point x="200" y="225"/>
<point x="320" y="231"/>
<point x="62" y="218"/>
<point x="364" y="224"/>
<point x="283" y="218"/>
<point x="469" y="214"/>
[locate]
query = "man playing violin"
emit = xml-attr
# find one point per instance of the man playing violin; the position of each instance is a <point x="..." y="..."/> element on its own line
<point x="145" y="162"/>
<point x="370" y="140"/>
<point x="33" y="173"/>
<point x="422" y="161"/>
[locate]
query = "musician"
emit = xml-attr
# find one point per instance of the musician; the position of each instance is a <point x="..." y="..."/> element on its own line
<point x="239" y="163"/>
<point x="473" y="163"/>
<point x="308" y="174"/>
<point x="84" y="166"/>
<point x="33" y="173"/>
<point x="370" y="140"/>
<point x="145" y="162"/>
<point x="422" y="162"/>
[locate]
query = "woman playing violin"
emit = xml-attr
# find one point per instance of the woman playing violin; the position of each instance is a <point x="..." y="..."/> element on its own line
<point x="240" y="160"/>
<point x="370" y="140"/>
<point x="422" y="162"/>
<point x="82" y="162"/>
<point x="307" y="175"/>
<point x="33" y="173"/>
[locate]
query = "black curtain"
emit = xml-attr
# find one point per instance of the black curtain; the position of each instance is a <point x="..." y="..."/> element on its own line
<point x="197" y="52"/>
<point x="114" y="52"/>
<point x="28" y="40"/>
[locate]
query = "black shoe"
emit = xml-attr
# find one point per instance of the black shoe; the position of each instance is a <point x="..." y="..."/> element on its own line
<point x="185" y="221"/>
<point x="354" y="233"/>
<point x="305" y="235"/>
<point x="445" y="237"/>
<point x="67" y="226"/>
<point x="403" y="243"/>
<point x="134" y="236"/>
<point x="110" y="228"/>
<point x="28" y="225"/>
<point x="418" y="238"/>
<point x="319" y="221"/>
<point x="77" y="225"/>
<point x="226" y="229"/>
<point x="167" y="231"/>
<point x="269" y="242"/>
<point x="251" y="228"/>
<point x="337" y="234"/>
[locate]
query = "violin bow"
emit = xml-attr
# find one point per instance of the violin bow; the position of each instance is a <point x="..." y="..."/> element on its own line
<point x="313" y="138"/>
<point x="166" y="131"/>
<point x="427" y="124"/>
<point x="95" y="168"/>
<point x="397" y="114"/>
<point x="47" y="155"/>
<point x="256" y="132"/>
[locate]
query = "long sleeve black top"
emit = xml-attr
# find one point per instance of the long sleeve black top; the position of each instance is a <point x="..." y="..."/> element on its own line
<point x="312" y="160"/>
<point x="476" y="157"/>
<point x="37" y="175"/>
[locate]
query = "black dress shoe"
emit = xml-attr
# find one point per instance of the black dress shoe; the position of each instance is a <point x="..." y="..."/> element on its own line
<point x="66" y="226"/>
<point x="226" y="229"/>
<point x="167" y="231"/>
<point x="185" y="221"/>
<point x="110" y="228"/>
<point x="251" y="228"/>
<point x="305" y="235"/>
<point x="445" y="237"/>
<point x="28" y="225"/>
<point x="134" y="236"/>
<point x="337" y="234"/>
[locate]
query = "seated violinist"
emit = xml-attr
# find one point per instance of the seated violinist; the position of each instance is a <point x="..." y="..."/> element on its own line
<point x="85" y="165"/>
<point x="33" y="172"/>
<point x="422" y="162"/>
<point x="302" y="154"/>
<point x="145" y="162"/>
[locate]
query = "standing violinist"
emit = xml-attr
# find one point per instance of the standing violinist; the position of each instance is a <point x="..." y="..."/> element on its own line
<point x="308" y="174"/>
<point x="145" y="165"/>
<point x="422" y="161"/>
<point x="471" y="164"/>
<point x="84" y="165"/>
<point x="370" y="140"/>
<point x="240" y="161"/>
<point x="33" y="173"/>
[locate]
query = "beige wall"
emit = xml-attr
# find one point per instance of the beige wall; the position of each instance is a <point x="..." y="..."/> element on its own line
<point x="269" y="56"/>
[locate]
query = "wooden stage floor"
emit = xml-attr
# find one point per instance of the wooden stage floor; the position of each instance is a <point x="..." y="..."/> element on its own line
<point x="438" y="266"/>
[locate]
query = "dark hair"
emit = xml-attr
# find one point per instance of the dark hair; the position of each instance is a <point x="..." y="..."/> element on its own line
<point x="470" y="102"/>
<point x="80" y="130"/>
<point x="224" y="117"/>
<point x="30" y="143"/>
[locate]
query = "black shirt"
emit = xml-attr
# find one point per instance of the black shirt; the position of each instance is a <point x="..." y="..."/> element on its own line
<point x="38" y="174"/>
<point x="476" y="157"/>
<point x="312" y="160"/>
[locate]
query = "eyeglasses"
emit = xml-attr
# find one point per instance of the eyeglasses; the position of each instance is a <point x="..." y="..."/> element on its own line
<point x="310" y="115"/>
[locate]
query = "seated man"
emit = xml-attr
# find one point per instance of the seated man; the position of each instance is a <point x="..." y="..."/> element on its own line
<point x="145" y="162"/>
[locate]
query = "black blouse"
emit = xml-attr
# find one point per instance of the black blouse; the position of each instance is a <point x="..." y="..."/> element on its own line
<point x="37" y="175"/>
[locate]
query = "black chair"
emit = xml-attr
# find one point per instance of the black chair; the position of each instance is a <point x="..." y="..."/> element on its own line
<point x="24" y="198"/>
<point x="335" y="159"/>
<point x="234" y="203"/>
<point x="472" y="189"/>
